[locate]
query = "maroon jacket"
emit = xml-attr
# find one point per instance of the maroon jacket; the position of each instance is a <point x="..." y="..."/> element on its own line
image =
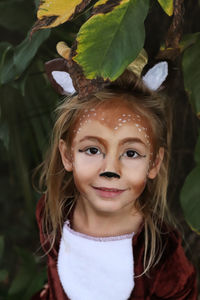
<point x="173" y="278"/>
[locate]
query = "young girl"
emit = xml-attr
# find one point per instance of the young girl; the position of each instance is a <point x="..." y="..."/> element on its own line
<point x="103" y="220"/>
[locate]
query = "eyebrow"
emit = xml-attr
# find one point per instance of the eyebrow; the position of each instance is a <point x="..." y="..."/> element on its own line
<point x="128" y="140"/>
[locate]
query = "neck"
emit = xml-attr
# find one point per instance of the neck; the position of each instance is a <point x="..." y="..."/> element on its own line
<point x="100" y="224"/>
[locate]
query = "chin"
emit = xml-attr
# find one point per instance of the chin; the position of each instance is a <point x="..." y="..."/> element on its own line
<point x="107" y="206"/>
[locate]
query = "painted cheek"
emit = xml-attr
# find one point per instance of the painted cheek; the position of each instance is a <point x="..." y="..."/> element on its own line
<point x="136" y="175"/>
<point x="86" y="166"/>
<point x="137" y="184"/>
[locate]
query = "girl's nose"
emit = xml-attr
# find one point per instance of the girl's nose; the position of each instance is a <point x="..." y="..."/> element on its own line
<point x="110" y="167"/>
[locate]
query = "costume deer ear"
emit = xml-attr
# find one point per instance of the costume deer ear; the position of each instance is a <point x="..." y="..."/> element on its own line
<point x="156" y="75"/>
<point x="153" y="172"/>
<point x="60" y="79"/>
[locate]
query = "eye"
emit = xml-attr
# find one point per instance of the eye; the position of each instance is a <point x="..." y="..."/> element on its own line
<point x="91" y="151"/>
<point x="131" y="154"/>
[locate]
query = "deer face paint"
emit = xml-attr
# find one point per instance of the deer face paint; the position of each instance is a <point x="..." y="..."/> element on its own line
<point x="110" y="140"/>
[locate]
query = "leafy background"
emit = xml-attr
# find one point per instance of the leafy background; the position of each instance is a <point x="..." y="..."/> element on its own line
<point x="27" y="102"/>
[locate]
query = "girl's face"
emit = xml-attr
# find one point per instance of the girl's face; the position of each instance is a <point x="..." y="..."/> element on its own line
<point x="111" y="157"/>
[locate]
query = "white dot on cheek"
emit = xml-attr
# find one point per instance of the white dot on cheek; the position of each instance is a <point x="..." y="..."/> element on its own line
<point x="124" y="121"/>
<point x="116" y="127"/>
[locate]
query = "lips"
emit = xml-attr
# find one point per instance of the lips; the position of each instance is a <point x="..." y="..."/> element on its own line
<point x="108" y="189"/>
<point x="108" y="192"/>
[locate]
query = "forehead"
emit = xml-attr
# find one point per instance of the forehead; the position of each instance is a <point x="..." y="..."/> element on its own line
<point x="114" y="114"/>
<point x="112" y="110"/>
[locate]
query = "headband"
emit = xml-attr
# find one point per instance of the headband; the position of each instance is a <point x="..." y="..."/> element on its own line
<point x="66" y="74"/>
<point x="57" y="71"/>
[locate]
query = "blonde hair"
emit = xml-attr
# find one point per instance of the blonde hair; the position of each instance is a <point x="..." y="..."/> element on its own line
<point x="61" y="192"/>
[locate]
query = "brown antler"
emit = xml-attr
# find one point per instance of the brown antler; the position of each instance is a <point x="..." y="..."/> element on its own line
<point x="172" y="49"/>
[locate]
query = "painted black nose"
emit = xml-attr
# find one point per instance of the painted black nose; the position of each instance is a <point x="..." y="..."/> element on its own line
<point x="110" y="175"/>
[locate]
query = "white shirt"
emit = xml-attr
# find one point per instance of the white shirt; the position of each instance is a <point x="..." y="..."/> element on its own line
<point x="93" y="268"/>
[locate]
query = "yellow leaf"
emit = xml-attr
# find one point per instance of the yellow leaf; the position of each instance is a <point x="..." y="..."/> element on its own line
<point x="52" y="13"/>
<point x="138" y="64"/>
<point x="100" y="2"/>
<point x="168" y="6"/>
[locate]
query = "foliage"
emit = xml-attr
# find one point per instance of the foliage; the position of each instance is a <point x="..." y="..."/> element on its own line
<point x="167" y="5"/>
<point x="113" y="28"/>
<point x="108" y="38"/>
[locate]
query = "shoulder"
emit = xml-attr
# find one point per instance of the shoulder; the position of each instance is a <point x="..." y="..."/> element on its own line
<point x="176" y="276"/>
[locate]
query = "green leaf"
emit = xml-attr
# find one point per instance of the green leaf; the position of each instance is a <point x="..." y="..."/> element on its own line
<point x="190" y="198"/>
<point x="4" y="48"/>
<point x="7" y="72"/>
<point x="191" y="73"/>
<point x="108" y="43"/>
<point x="168" y="6"/>
<point x="18" y="59"/>
<point x="25" y="52"/>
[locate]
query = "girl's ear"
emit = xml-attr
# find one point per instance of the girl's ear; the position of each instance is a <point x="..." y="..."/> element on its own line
<point x="156" y="164"/>
<point x="65" y="155"/>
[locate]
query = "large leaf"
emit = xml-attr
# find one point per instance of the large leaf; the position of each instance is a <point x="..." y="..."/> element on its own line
<point x="168" y="6"/>
<point x="52" y="13"/>
<point x="25" y="52"/>
<point x="191" y="72"/>
<point x="4" y="49"/>
<point x="108" y="43"/>
<point x="17" y="59"/>
<point x="190" y="198"/>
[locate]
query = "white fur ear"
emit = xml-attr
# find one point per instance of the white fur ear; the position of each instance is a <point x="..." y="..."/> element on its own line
<point x="64" y="80"/>
<point x="65" y="156"/>
<point x="156" y="75"/>
<point x="153" y="172"/>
